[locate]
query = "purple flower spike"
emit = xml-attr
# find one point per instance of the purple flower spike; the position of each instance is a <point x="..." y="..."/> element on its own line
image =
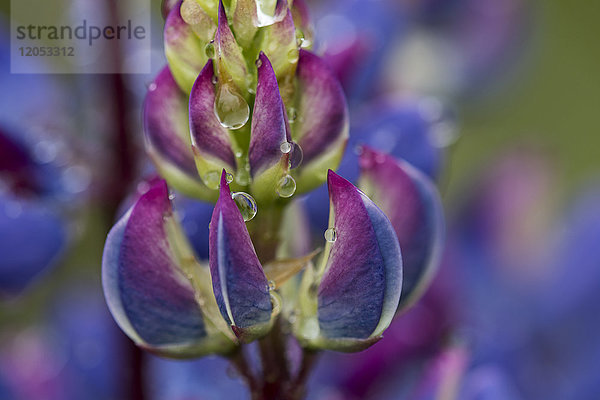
<point x="361" y="272"/>
<point x="210" y="140"/>
<point x="167" y="136"/>
<point x="230" y="60"/>
<point x="269" y="130"/>
<point x="321" y="128"/>
<point x="184" y="49"/>
<point x="239" y="283"/>
<point x="411" y="201"/>
<point x="147" y="275"/>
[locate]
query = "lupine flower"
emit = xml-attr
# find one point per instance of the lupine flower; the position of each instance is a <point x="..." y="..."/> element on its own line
<point x="245" y="115"/>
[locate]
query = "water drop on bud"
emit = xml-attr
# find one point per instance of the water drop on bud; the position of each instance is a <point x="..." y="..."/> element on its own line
<point x="285" y="147"/>
<point x="231" y="109"/>
<point x="286" y="187"/>
<point x="331" y="235"/>
<point x="246" y="204"/>
<point x="209" y="49"/>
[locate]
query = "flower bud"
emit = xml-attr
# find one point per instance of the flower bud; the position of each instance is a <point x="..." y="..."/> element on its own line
<point x="210" y="140"/>
<point x="184" y="48"/>
<point x="270" y="131"/>
<point x="156" y="291"/>
<point x="412" y="203"/>
<point x="239" y="283"/>
<point x="166" y="130"/>
<point x="351" y="298"/>
<point x="321" y="128"/>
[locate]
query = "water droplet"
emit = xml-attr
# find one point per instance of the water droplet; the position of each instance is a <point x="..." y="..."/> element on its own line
<point x="211" y="179"/>
<point x="231" y="109"/>
<point x="229" y="177"/>
<point x="286" y="187"/>
<point x="258" y="63"/>
<point x="171" y="196"/>
<point x="296" y="156"/>
<point x="214" y="80"/>
<point x="331" y="235"/>
<point x="251" y="90"/>
<point x="271" y="285"/>
<point x="152" y="87"/>
<point x="285" y="147"/>
<point x="209" y="49"/>
<point x="293" y="55"/>
<point x="246" y="204"/>
<point x="265" y="10"/>
<point x="238" y="153"/>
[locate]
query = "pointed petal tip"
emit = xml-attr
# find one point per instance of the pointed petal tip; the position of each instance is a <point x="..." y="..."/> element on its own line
<point x="224" y="184"/>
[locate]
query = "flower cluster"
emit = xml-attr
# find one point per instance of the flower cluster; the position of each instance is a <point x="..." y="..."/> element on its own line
<point x="247" y="116"/>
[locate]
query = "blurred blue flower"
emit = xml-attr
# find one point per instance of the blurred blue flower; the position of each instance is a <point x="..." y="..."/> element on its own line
<point x="73" y="353"/>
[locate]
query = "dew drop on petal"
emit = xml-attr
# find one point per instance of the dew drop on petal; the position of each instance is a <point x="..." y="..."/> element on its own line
<point x="231" y="109"/>
<point x="331" y="235"/>
<point x="258" y="63"/>
<point x="246" y="204"/>
<point x="271" y="286"/>
<point x="285" y="147"/>
<point x="286" y="187"/>
<point x="229" y="177"/>
<point x="265" y="10"/>
<point x="211" y="179"/>
<point x="209" y="49"/>
<point x="214" y="80"/>
<point x="296" y="156"/>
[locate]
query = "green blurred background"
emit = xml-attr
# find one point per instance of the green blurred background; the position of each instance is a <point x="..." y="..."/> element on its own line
<point x="553" y="100"/>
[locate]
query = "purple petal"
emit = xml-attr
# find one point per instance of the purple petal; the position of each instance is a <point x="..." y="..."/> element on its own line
<point x="183" y="48"/>
<point x="147" y="292"/>
<point x="321" y="128"/>
<point x="412" y="203"/>
<point x="239" y="283"/>
<point x="166" y="7"/>
<point x="269" y="122"/>
<point x="362" y="276"/>
<point x="230" y="60"/>
<point x="211" y="142"/>
<point x="167" y="135"/>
